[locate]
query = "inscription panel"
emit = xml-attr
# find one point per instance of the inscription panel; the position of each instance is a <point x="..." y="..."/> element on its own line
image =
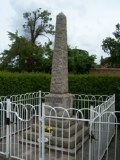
<point x="53" y="101"/>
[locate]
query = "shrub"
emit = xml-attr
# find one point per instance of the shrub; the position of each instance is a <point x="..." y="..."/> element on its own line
<point x="18" y="83"/>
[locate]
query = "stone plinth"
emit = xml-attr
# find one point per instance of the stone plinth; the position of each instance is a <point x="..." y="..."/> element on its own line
<point x="59" y="100"/>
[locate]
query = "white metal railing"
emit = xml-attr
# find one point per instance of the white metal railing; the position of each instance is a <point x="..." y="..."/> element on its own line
<point x="22" y="104"/>
<point x="84" y="101"/>
<point x="22" y="101"/>
<point x="101" y="120"/>
<point x="102" y="127"/>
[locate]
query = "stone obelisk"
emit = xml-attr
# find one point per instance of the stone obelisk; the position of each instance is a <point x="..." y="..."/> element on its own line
<point x="59" y="95"/>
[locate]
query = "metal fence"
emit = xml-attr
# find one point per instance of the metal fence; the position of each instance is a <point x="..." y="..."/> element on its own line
<point x="102" y="127"/>
<point x="23" y="104"/>
<point x="85" y="135"/>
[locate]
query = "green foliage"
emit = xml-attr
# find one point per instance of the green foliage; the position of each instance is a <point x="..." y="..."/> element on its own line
<point x="26" y="53"/>
<point x="112" y="47"/>
<point x="37" y="24"/>
<point x="96" y="85"/>
<point x="24" y="56"/>
<point x="79" y="61"/>
<point x="18" y="83"/>
<point x="92" y="84"/>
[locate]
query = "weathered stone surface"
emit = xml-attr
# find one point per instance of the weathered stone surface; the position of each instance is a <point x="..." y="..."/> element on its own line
<point x="59" y="100"/>
<point x="59" y="132"/>
<point x="66" y="132"/>
<point x="69" y="141"/>
<point x="54" y="122"/>
<point x="59" y="122"/>
<point x="71" y="151"/>
<point x="59" y="96"/>
<point x="59" y="79"/>
<point x="59" y="140"/>
<point x="33" y="136"/>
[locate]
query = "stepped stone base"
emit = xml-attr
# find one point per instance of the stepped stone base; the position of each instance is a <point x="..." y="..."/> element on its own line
<point x="29" y="142"/>
<point x="55" y="122"/>
<point x="52" y="147"/>
<point x="71" y="141"/>
<point x="67" y="134"/>
<point x="71" y="151"/>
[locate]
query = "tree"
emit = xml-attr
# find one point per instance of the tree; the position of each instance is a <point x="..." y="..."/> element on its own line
<point x="25" y="53"/>
<point x="37" y="24"/>
<point x="21" y="55"/>
<point x="112" y="47"/>
<point x="79" y="61"/>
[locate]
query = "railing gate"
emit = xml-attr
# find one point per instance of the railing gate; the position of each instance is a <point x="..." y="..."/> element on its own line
<point x="20" y="142"/>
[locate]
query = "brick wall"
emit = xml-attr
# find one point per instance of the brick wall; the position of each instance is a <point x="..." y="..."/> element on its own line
<point x="105" y="71"/>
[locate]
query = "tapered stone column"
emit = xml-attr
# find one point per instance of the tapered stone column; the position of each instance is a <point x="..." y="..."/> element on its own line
<point x="59" y="79"/>
<point x="59" y="95"/>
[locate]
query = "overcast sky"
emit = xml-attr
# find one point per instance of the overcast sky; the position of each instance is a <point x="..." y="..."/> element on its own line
<point x="88" y="21"/>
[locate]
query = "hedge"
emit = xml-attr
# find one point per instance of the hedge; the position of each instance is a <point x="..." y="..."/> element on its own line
<point x="18" y="83"/>
<point x="96" y="85"/>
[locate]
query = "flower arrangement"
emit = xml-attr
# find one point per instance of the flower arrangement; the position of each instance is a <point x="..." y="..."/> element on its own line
<point x="48" y="128"/>
<point x="48" y="131"/>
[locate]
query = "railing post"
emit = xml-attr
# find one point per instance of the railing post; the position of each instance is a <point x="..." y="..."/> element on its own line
<point x="7" y="126"/>
<point x="40" y="127"/>
<point x="43" y="132"/>
<point x="40" y="104"/>
<point x="114" y="102"/>
<point x="90" y="130"/>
